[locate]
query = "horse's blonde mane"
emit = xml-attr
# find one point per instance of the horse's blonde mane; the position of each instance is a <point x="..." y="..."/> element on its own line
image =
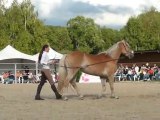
<point x="110" y="50"/>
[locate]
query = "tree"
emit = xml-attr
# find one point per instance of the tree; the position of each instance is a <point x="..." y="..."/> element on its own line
<point x="22" y="28"/>
<point x="110" y="37"/>
<point x="3" y="21"/>
<point x="85" y="34"/>
<point x="143" y="30"/>
<point x="59" y="39"/>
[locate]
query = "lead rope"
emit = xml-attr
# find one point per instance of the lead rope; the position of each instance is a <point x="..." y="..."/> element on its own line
<point x="72" y="67"/>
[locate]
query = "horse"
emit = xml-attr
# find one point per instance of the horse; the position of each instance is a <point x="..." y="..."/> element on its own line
<point x="103" y="64"/>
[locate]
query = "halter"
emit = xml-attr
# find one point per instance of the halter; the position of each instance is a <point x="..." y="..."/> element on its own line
<point x="125" y="47"/>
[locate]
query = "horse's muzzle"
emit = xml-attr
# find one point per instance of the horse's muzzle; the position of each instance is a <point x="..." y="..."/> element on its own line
<point x="131" y="55"/>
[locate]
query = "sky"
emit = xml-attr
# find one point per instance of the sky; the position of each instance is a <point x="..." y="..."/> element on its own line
<point x="110" y="13"/>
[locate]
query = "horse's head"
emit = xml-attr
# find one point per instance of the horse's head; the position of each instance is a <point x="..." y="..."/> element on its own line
<point x="126" y="50"/>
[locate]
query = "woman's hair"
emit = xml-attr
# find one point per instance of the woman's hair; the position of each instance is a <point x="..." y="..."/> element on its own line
<point x="40" y="54"/>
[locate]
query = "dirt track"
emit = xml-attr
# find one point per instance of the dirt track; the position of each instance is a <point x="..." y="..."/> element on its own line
<point x="138" y="101"/>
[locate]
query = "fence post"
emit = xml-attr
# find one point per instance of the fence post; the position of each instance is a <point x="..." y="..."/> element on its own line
<point x="15" y="69"/>
<point x="36" y="68"/>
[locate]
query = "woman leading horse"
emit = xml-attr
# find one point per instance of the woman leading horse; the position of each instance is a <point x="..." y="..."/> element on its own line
<point x="103" y="64"/>
<point x="44" y="60"/>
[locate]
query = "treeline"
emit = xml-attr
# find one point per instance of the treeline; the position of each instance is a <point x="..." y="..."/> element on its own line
<point x="21" y="28"/>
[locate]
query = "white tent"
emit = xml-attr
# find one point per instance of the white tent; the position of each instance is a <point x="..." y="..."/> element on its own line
<point x="13" y="60"/>
<point x="52" y="55"/>
<point x="11" y="53"/>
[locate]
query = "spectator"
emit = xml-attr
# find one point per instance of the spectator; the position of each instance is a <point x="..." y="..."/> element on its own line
<point x="130" y="74"/>
<point x="11" y="76"/>
<point x="157" y="75"/>
<point x="147" y="66"/>
<point x="137" y="69"/>
<point x="26" y="70"/>
<point x="151" y="73"/>
<point x="143" y="67"/>
<point x="32" y="78"/>
<point x="146" y="75"/>
<point x="144" y="72"/>
<point x="141" y="74"/>
<point x="6" y="78"/>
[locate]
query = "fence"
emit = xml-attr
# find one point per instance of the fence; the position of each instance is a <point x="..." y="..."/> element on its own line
<point x="32" y="67"/>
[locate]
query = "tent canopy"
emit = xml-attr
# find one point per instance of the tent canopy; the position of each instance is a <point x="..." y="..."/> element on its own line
<point x="11" y="53"/>
<point x="52" y="55"/>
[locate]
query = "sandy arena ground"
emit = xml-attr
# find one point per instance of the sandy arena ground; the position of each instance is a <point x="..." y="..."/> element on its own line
<point x="138" y="101"/>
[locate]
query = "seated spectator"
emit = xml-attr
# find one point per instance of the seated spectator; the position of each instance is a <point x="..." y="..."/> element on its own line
<point x="6" y="78"/>
<point x="147" y="66"/>
<point x="32" y="78"/>
<point x="157" y="75"/>
<point x="26" y="70"/>
<point x="19" y="76"/>
<point x="11" y="75"/>
<point x="136" y="69"/>
<point x="151" y="73"/>
<point x="155" y="70"/>
<point x="25" y="74"/>
<point x="118" y="75"/>
<point x="155" y="67"/>
<point x="130" y="74"/>
<point x="141" y="75"/>
<point x="146" y="75"/>
<point x="143" y="67"/>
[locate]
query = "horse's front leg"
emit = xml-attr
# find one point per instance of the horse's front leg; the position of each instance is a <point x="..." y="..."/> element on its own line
<point x="62" y="89"/>
<point x="111" y="82"/>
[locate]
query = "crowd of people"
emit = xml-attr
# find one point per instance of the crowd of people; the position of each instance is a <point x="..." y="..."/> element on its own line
<point x="25" y="75"/>
<point x="144" y="72"/>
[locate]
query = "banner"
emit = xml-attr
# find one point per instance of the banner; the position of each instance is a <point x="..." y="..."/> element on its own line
<point x="86" y="78"/>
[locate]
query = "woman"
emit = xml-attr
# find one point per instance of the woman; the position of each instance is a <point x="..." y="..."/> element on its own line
<point x="43" y="59"/>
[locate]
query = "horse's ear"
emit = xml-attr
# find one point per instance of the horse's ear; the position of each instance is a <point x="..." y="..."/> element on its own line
<point x="123" y="40"/>
<point x="127" y="40"/>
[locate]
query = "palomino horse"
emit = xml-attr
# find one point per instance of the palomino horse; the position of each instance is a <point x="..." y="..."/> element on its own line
<point x="103" y="64"/>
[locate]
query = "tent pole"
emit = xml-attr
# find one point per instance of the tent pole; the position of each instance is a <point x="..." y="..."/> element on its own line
<point x="15" y="69"/>
<point x="36" y="68"/>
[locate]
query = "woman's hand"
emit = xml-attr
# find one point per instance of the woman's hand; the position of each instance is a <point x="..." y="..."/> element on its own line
<point x="53" y="61"/>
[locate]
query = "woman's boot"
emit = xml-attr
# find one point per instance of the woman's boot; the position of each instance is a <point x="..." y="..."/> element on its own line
<point x="37" y="97"/>
<point x="58" y="96"/>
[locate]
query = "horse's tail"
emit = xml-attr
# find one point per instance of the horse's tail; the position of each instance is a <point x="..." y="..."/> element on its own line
<point x="62" y="73"/>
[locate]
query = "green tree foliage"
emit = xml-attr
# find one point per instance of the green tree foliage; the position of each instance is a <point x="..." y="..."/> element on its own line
<point x="3" y="22"/>
<point x="59" y="39"/>
<point x="85" y="34"/>
<point x="22" y="28"/>
<point x="110" y="37"/>
<point x="143" y="30"/>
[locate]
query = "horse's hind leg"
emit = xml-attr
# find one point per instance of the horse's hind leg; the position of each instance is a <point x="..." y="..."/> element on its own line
<point x="73" y="83"/>
<point x="103" y="83"/>
<point x="70" y="76"/>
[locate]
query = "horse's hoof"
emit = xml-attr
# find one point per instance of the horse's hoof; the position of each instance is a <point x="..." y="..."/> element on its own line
<point x="81" y="97"/>
<point x="99" y="96"/>
<point x="114" y="97"/>
<point x="104" y="95"/>
<point x="65" y="98"/>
